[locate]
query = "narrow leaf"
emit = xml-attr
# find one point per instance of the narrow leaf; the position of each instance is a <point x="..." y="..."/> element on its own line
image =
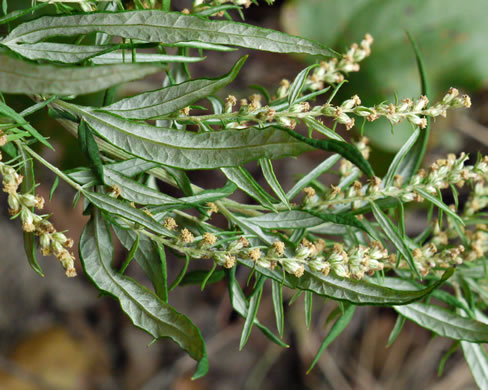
<point x="189" y="150"/>
<point x="90" y="150"/>
<point x="270" y="177"/>
<point x="123" y="210"/>
<point x="323" y="167"/>
<point x="413" y="159"/>
<point x="441" y="205"/>
<point x="73" y="54"/>
<point x="346" y="150"/>
<point x="277" y="295"/>
<point x="246" y="182"/>
<point x="308" y="308"/>
<point x="154" y="104"/>
<point x="477" y="360"/>
<point x="394" y="236"/>
<point x="399" y="157"/>
<point x="335" y="331"/>
<point x="167" y="27"/>
<point x="445" y="323"/>
<point x="21" y="77"/>
<point x="9" y="112"/>
<point x="397" y="329"/>
<point x="130" y="255"/>
<point x="252" y="311"/>
<point x="294" y="219"/>
<point x="357" y="292"/>
<point x="144" y="308"/>
<point x="297" y="85"/>
<point x="239" y="304"/>
<point x="146" y="256"/>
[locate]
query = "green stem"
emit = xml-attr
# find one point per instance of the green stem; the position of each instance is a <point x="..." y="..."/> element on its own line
<point x="54" y="169"/>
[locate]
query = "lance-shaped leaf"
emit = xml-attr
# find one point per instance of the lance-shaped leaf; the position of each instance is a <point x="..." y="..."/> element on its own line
<point x="189" y="150"/>
<point x="477" y="358"/>
<point x="324" y="166"/>
<point x="146" y="255"/>
<point x="244" y="180"/>
<point x="358" y="292"/>
<point x="394" y="235"/>
<point x="445" y="323"/>
<point x="143" y="307"/>
<point x="346" y="150"/>
<point x="167" y="27"/>
<point x="241" y="306"/>
<point x="17" y="76"/>
<point x="72" y="54"/>
<point x="123" y="210"/>
<point x="297" y="219"/>
<point x="164" y="101"/>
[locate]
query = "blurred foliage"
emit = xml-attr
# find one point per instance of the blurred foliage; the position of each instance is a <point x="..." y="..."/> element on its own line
<point x="451" y="35"/>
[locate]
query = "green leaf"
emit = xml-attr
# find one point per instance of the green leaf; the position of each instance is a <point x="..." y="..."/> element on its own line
<point x="190" y="150"/>
<point x="392" y="233"/>
<point x="198" y="276"/>
<point x="445" y="323"/>
<point x="135" y="192"/>
<point x="270" y="177"/>
<point x="131" y="167"/>
<point x="357" y="292"/>
<point x="477" y="359"/>
<point x="167" y="27"/>
<point x="154" y="104"/>
<point x="348" y="151"/>
<point x="10" y="17"/>
<point x="120" y="209"/>
<point x="295" y="219"/>
<point x="89" y="148"/>
<point x="252" y="311"/>
<point x="54" y="186"/>
<point x="23" y="77"/>
<point x="181" y="275"/>
<point x="28" y="186"/>
<point x="246" y="182"/>
<point x="144" y="308"/>
<point x="397" y="329"/>
<point x="399" y="157"/>
<point x="335" y="331"/>
<point x="316" y="125"/>
<point x="308" y="308"/>
<point x="324" y="166"/>
<point x="130" y="255"/>
<point x="412" y="161"/>
<point x="162" y="261"/>
<point x="297" y="85"/>
<point x="440" y="204"/>
<point x="277" y="295"/>
<point x="100" y="55"/>
<point x="240" y="305"/>
<point x="147" y="256"/>
<point x="9" y="112"/>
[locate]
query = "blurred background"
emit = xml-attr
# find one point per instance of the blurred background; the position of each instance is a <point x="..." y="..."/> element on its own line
<point x="58" y="334"/>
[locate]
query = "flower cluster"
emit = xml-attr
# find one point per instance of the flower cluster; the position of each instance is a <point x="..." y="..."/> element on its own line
<point x="413" y="111"/>
<point x="332" y="71"/>
<point x="354" y="262"/>
<point x="21" y="205"/>
<point x="441" y="174"/>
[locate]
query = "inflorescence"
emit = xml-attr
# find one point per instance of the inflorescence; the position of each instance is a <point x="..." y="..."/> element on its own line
<point x="21" y="205"/>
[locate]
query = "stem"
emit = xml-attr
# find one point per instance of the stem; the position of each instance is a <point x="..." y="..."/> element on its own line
<point x="54" y="169"/>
